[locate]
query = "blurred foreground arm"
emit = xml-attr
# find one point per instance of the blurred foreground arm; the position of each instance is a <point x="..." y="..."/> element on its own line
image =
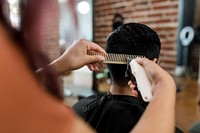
<point x="159" y="115"/>
<point x="35" y="110"/>
<point x="76" y="57"/>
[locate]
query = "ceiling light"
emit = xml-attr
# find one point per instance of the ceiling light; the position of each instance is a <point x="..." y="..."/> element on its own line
<point x="83" y="7"/>
<point x="12" y="1"/>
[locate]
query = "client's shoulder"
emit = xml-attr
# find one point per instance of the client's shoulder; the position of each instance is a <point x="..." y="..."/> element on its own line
<point x="87" y="103"/>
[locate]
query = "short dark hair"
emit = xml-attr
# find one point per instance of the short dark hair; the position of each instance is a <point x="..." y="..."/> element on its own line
<point x="131" y="38"/>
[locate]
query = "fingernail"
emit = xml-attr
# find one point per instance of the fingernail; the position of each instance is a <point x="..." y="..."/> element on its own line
<point x="97" y="69"/>
<point x="138" y="58"/>
<point x="101" y="58"/>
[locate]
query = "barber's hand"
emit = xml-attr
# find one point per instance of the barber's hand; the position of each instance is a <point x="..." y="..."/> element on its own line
<point x="76" y="57"/>
<point x="156" y="74"/>
<point x="164" y="98"/>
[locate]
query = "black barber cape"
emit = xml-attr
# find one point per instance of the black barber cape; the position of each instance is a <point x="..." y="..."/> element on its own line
<point x="108" y="113"/>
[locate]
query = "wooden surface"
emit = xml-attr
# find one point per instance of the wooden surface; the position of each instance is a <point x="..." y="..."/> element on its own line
<point x="187" y="110"/>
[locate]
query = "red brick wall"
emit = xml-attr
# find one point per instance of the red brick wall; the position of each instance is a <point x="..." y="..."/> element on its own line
<point x="50" y="29"/>
<point x="160" y="15"/>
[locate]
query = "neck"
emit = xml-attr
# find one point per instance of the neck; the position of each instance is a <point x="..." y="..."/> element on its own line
<point x="121" y="90"/>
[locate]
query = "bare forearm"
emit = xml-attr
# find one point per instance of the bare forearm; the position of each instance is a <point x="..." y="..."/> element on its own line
<point x="157" y="118"/>
<point x="160" y="113"/>
<point x="60" y="67"/>
<point x="57" y="67"/>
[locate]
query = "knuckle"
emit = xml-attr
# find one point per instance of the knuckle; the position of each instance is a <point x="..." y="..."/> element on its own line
<point x="81" y="40"/>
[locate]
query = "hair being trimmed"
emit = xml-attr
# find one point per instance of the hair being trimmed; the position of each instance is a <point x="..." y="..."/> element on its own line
<point x="135" y="39"/>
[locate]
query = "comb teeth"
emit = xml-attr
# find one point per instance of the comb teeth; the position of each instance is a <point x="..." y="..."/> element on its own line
<point x="114" y="58"/>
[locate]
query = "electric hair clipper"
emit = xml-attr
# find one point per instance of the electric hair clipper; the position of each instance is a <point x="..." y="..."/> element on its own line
<point x="142" y="81"/>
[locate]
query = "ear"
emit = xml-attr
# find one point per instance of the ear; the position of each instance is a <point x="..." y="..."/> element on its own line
<point x="156" y="60"/>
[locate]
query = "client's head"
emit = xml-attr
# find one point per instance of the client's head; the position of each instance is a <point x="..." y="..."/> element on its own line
<point x="134" y="39"/>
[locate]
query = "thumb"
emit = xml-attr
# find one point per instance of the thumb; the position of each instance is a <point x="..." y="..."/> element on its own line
<point x="141" y="61"/>
<point x="96" y="58"/>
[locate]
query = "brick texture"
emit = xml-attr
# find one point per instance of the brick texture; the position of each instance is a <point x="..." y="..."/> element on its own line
<point x="50" y="29"/>
<point x="160" y="15"/>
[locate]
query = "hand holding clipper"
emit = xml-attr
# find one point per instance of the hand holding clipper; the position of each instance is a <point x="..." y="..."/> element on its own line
<point x="143" y="82"/>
